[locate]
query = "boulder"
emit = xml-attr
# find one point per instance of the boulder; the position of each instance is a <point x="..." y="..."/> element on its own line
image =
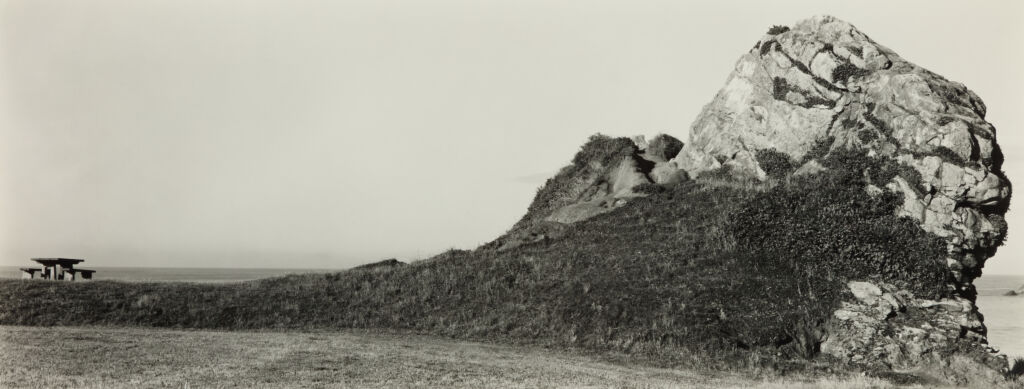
<point x="823" y="83"/>
<point x="663" y="148"/>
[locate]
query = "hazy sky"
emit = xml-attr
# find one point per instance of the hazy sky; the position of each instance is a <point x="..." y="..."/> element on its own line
<point x="328" y="134"/>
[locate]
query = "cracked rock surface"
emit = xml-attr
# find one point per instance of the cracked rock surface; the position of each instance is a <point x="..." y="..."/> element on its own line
<point x="825" y="82"/>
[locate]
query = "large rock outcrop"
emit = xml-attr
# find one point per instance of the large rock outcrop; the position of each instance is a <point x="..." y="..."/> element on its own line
<point x="800" y="99"/>
<point x="823" y="85"/>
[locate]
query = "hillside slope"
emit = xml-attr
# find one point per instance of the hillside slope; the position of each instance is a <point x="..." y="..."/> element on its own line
<point x="841" y="202"/>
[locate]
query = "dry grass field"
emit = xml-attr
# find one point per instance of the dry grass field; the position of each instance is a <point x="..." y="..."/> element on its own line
<point x="105" y="357"/>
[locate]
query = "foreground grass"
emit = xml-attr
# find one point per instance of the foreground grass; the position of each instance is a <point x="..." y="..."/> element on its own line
<point x="104" y="357"/>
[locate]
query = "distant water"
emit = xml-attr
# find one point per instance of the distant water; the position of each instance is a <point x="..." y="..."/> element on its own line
<point x="170" y="274"/>
<point x="1004" y="315"/>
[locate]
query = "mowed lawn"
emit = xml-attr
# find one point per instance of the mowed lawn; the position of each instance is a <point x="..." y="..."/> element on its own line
<point x="103" y="357"/>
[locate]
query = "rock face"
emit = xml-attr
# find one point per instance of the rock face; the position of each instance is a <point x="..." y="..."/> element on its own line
<point x="884" y="324"/>
<point x="823" y="85"/>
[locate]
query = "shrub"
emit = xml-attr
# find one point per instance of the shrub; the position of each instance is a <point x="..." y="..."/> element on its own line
<point x="1016" y="369"/>
<point x="846" y="70"/>
<point x="821" y="148"/>
<point x="866" y="136"/>
<point x="775" y="163"/>
<point x="776" y="30"/>
<point x="882" y="126"/>
<point x="999" y="222"/>
<point x="997" y="158"/>
<point x="779" y="88"/>
<point x="913" y="177"/>
<point x="648" y="188"/>
<point x="855" y="165"/>
<point x="948" y="155"/>
<point x="815" y="101"/>
<point x="883" y="170"/>
<point x="840" y="232"/>
<point x="603" y="150"/>
<point x="766" y="47"/>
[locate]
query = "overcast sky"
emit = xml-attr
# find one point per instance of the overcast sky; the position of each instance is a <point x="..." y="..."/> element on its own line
<point x="329" y="134"/>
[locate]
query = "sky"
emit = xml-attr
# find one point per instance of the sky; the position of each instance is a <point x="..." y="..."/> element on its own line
<point x="315" y="134"/>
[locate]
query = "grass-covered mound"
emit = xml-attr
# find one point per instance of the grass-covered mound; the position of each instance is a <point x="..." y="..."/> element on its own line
<point x="700" y="269"/>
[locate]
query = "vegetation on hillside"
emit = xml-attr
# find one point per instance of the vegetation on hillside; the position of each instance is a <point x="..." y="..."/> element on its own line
<point x="846" y="70"/>
<point x="699" y="269"/>
<point x="776" y="30"/>
<point x="774" y="163"/>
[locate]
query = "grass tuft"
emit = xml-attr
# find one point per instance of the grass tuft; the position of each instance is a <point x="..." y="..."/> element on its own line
<point x="775" y="163"/>
<point x="1016" y="369"/>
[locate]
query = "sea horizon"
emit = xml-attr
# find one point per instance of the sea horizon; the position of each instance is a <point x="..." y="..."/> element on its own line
<point x="181" y="274"/>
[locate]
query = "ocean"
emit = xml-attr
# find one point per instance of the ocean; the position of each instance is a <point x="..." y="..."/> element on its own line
<point x="1004" y="315"/>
